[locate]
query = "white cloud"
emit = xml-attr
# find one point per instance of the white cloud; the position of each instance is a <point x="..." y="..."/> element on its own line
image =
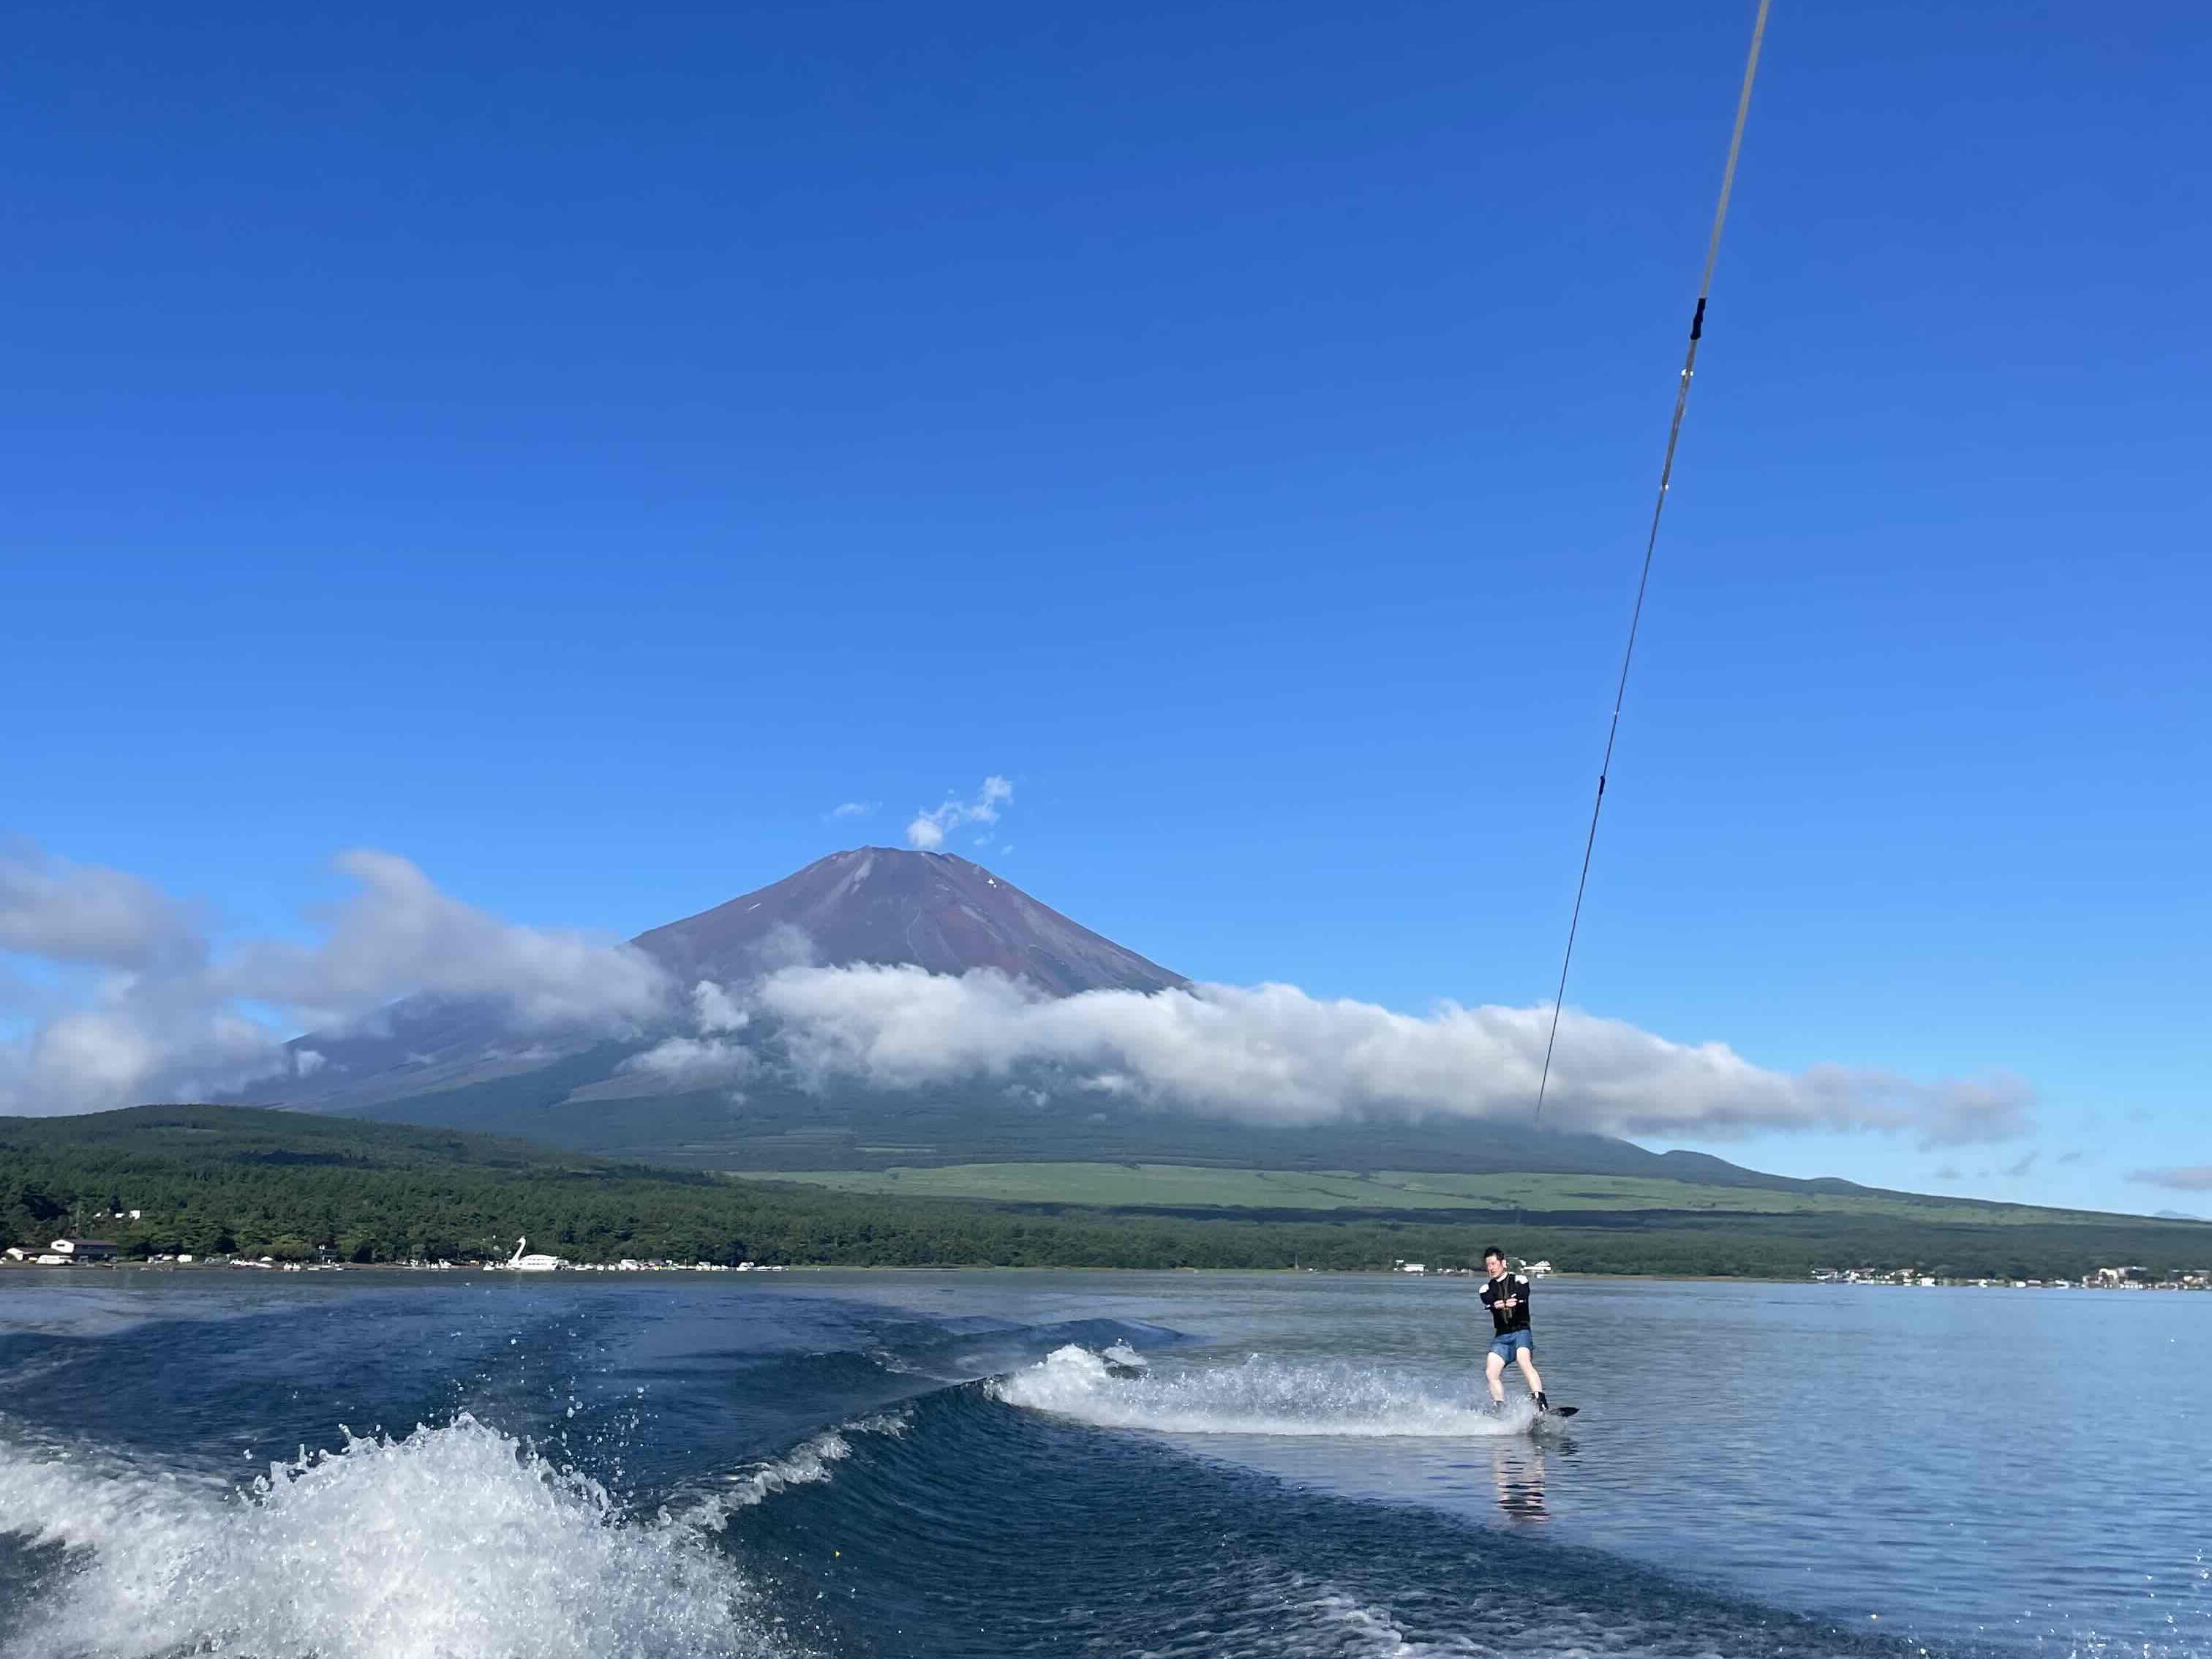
<point x="787" y="944"/>
<point x="157" y="1010"/>
<point x="854" y="808"/>
<point x="83" y="915"/>
<point x="1271" y="1053"/>
<point x="929" y="828"/>
<point x="399" y="934"/>
<point x="688" y="1063"/>
<point x="709" y="1060"/>
<point x="713" y="1009"/>
<point x="2197" y="1179"/>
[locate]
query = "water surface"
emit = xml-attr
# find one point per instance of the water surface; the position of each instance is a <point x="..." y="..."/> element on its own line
<point x="846" y="1463"/>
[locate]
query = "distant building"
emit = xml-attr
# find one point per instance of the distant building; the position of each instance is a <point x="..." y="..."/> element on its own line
<point x="1412" y="1267"/>
<point x="82" y="1249"/>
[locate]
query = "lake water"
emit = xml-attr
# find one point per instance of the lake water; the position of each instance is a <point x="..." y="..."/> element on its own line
<point x="849" y="1464"/>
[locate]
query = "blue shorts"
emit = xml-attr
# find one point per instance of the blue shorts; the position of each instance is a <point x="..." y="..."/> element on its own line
<point x="1504" y="1347"/>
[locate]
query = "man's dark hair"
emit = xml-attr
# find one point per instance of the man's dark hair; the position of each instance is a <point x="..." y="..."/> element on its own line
<point x="1494" y="1250"/>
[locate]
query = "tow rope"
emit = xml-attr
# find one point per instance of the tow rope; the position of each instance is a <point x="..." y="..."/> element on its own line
<point x="1651" y="542"/>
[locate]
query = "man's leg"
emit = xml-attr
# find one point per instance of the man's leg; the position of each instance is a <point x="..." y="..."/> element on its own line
<point x="1494" y="1369"/>
<point x="1528" y="1358"/>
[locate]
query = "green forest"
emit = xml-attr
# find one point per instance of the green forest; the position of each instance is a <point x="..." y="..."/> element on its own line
<point x="216" y="1181"/>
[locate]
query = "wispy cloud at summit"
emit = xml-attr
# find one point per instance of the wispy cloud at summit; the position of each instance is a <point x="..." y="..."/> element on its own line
<point x="929" y="828"/>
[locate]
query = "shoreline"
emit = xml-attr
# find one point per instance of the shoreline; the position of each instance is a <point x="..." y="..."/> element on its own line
<point x="76" y="1271"/>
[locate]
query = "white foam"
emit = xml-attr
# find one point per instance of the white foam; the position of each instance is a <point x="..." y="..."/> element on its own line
<point x="451" y="1543"/>
<point x="1351" y="1627"/>
<point x="809" y="1463"/>
<point x="805" y="1465"/>
<point x="1260" y="1396"/>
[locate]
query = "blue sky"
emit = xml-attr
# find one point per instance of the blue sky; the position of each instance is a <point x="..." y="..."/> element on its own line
<point x="577" y="451"/>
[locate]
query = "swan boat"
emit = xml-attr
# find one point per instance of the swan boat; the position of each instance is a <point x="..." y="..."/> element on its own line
<point x="536" y="1263"/>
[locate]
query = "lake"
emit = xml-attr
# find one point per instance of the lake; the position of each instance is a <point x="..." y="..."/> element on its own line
<point x="418" y="1467"/>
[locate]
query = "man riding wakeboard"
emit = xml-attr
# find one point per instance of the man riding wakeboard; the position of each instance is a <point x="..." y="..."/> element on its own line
<point x="1506" y="1295"/>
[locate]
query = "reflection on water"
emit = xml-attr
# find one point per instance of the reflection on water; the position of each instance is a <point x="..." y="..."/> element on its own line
<point x="1517" y="1470"/>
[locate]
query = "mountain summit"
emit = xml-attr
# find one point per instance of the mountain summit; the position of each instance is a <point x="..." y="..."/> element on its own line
<point x="882" y="904"/>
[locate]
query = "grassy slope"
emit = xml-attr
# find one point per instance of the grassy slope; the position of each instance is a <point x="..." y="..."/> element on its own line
<point x="1186" y="1188"/>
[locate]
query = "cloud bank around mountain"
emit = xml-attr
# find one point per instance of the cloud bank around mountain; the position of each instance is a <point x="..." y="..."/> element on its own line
<point x="1273" y="1054"/>
<point x="129" y="996"/>
<point x="714" y="1057"/>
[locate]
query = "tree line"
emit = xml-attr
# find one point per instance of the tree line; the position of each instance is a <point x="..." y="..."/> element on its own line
<point x="218" y="1181"/>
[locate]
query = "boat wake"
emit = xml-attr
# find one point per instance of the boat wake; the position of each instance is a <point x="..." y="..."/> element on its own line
<point x="1260" y="1396"/>
<point x="457" y="1540"/>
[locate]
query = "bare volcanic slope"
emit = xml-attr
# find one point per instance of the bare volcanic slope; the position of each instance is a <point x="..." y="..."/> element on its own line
<point x="879" y="904"/>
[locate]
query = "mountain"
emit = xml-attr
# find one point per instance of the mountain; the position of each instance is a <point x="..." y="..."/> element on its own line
<point x="879" y="904"/>
<point x="871" y="904"/>
<point x="454" y="1064"/>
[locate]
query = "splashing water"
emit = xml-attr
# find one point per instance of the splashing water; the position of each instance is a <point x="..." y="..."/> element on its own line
<point x="804" y="1466"/>
<point x="1260" y="1397"/>
<point x="810" y="1462"/>
<point x="456" y="1542"/>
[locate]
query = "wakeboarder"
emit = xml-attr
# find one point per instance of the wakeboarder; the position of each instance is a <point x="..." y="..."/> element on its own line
<point x="1505" y="1294"/>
